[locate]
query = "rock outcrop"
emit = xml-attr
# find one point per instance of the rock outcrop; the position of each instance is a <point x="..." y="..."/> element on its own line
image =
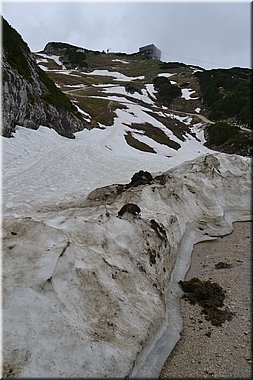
<point x="29" y="97"/>
<point x="72" y="57"/>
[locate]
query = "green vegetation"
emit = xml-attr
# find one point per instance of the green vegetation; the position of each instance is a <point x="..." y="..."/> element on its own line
<point x="62" y="45"/>
<point x="220" y="132"/>
<point x="76" y="58"/>
<point x="227" y="92"/>
<point x="133" y="86"/>
<point x="228" y="138"/>
<point x="53" y="95"/>
<point x="101" y="110"/>
<point x="172" y="65"/>
<point x="167" y="92"/>
<point x="15" y="50"/>
<point x="139" y="67"/>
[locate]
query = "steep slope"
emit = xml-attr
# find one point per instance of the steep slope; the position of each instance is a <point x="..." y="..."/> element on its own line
<point x="29" y="97"/>
<point x="101" y="84"/>
<point x="117" y="89"/>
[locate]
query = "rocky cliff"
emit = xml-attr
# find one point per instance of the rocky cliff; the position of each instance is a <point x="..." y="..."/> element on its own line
<point x="29" y="97"/>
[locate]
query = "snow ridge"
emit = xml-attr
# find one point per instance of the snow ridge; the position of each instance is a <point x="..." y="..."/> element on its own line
<point x="100" y="292"/>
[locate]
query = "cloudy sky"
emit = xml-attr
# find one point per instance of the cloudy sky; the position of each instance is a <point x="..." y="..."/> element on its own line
<point x="207" y="34"/>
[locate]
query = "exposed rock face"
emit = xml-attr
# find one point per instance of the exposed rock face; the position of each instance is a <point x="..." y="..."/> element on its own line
<point x="29" y="97"/>
<point x="73" y="57"/>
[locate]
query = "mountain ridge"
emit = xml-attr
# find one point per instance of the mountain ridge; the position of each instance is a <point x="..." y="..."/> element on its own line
<point x="175" y="95"/>
<point x="85" y="96"/>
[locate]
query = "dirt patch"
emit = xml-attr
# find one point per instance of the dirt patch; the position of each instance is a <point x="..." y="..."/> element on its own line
<point x="134" y="143"/>
<point x="156" y="134"/>
<point x="210" y="297"/>
<point x="222" y="265"/>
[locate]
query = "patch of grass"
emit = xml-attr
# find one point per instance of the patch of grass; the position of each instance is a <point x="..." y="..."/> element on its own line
<point x="171" y="65"/>
<point x="65" y="79"/>
<point x="148" y="68"/>
<point x="156" y="134"/>
<point x="31" y="97"/>
<point x="134" y="86"/>
<point x="167" y="92"/>
<point x="101" y="110"/>
<point x="178" y="128"/>
<point x="237" y="142"/>
<point x="51" y="64"/>
<point x="53" y="95"/>
<point x="220" y="132"/>
<point x="134" y="143"/>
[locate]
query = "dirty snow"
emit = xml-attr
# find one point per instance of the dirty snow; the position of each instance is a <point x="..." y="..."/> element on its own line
<point x="83" y="295"/>
<point x="79" y="294"/>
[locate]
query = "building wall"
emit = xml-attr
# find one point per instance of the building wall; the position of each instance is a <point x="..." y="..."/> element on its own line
<point x="151" y="50"/>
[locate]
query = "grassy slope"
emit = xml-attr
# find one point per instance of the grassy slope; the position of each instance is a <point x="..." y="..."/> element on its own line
<point x="137" y="66"/>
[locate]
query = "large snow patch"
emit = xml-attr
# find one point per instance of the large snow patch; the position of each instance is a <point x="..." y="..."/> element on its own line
<point x="87" y="293"/>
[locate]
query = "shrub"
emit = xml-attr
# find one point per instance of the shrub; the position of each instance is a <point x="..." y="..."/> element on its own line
<point x="220" y="132"/>
<point x="15" y="50"/>
<point x="76" y="58"/>
<point x="227" y="92"/>
<point x="53" y="95"/>
<point x="171" y="65"/>
<point x="167" y="92"/>
<point x="133" y="87"/>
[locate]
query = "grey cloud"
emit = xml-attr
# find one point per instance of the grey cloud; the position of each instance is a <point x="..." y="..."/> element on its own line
<point x="205" y="34"/>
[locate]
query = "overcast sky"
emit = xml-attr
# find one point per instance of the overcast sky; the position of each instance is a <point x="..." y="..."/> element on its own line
<point x="207" y="34"/>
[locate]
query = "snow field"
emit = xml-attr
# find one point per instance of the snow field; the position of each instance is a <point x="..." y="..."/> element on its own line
<point x="82" y="298"/>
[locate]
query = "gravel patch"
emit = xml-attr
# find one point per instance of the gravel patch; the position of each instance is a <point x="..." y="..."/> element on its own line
<point x="205" y="350"/>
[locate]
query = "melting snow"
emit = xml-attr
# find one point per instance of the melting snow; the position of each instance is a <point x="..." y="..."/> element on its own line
<point x="115" y="74"/>
<point x="167" y="75"/>
<point x="121" y="90"/>
<point x="119" y="60"/>
<point x="187" y="94"/>
<point x="54" y="58"/>
<point x="78" y="286"/>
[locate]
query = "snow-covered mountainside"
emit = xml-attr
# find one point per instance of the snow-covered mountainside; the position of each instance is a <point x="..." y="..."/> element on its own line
<point x="114" y="92"/>
<point x="98" y="230"/>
